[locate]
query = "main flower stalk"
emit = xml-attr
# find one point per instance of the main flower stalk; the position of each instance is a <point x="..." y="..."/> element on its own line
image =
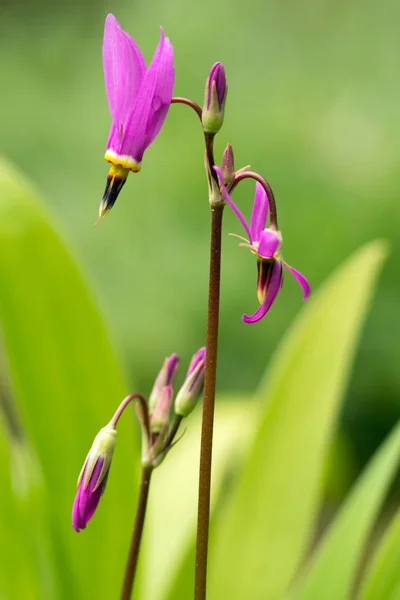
<point x="203" y="515"/>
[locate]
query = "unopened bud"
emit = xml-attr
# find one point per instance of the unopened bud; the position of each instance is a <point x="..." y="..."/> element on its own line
<point x="214" y="99"/>
<point x="228" y="165"/>
<point x="192" y="387"/>
<point x="165" y="377"/>
<point x="93" y="477"/>
<point x="160" y="417"/>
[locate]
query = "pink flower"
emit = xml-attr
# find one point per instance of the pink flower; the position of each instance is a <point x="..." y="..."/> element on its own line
<point x="265" y="243"/>
<point x="139" y="99"/>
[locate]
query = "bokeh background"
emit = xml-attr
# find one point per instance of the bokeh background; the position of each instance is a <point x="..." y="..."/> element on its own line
<point x="313" y="105"/>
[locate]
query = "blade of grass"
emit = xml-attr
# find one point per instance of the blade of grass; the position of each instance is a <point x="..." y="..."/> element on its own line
<point x="382" y="578"/>
<point x="332" y="570"/>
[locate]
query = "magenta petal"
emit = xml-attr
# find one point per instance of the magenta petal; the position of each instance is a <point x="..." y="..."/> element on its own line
<point x="301" y="279"/>
<point x="229" y="201"/>
<point x="124" y="70"/>
<point x="197" y="358"/>
<point x="273" y="289"/>
<point x="269" y="243"/>
<point x="217" y="76"/>
<point x="87" y="499"/>
<point x="94" y="499"/>
<point x="163" y="90"/>
<point x="152" y="102"/>
<point x="77" y="523"/>
<point x="259" y="213"/>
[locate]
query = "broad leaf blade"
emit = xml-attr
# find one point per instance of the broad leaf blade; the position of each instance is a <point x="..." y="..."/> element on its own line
<point x="335" y="563"/>
<point x="260" y="540"/>
<point x="67" y="382"/>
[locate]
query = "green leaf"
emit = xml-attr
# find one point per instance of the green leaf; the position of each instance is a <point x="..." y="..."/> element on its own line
<point x="17" y="577"/>
<point x="382" y="579"/>
<point x="172" y="512"/>
<point x="334" y="566"/>
<point x="261" y="537"/>
<point x="67" y="382"/>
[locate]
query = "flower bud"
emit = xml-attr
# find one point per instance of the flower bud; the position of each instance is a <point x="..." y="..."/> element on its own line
<point x="93" y="477"/>
<point x="214" y="99"/>
<point x="192" y="387"/>
<point x="165" y="377"/>
<point x="160" y="417"/>
<point x="228" y="165"/>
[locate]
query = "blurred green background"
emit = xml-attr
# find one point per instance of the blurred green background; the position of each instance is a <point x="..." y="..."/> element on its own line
<point x="312" y="104"/>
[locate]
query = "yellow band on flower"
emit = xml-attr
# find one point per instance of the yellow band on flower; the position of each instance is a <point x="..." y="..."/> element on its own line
<point x="122" y="161"/>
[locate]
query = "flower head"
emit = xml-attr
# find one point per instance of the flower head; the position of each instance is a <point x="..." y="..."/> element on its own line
<point x="139" y="99"/>
<point x="265" y="243"/>
<point x="192" y="387"/>
<point x="214" y="99"/>
<point x="93" y="477"/>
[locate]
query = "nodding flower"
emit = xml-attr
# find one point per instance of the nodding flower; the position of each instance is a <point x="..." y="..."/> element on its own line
<point x="265" y="243"/>
<point x="139" y="98"/>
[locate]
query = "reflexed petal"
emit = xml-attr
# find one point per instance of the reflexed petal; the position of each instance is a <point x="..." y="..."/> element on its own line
<point x="273" y="289"/>
<point x="124" y="69"/>
<point x="259" y="213"/>
<point x="301" y="279"/>
<point x="269" y="243"/>
<point x="229" y="201"/>
<point x="163" y="91"/>
<point x="152" y="103"/>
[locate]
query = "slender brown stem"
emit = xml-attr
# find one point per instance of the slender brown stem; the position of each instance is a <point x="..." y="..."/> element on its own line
<point x="203" y="517"/>
<point x="268" y="191"/>
<point x="136" y="534"/>
<point x="191" y="103"/>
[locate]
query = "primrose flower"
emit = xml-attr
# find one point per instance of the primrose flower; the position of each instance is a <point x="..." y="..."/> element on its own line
<point x="93" y="477"/>
<point x="139" y="99"/>
<point x="265" y="243"/>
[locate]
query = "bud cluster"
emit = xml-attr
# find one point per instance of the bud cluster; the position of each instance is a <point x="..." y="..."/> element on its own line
<point x="159" y="420"/>
<point x="161" y="423"/>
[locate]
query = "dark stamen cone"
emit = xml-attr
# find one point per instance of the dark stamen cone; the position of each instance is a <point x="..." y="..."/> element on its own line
<point x="113" y="188"/>
<point x="264" y="268"/>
